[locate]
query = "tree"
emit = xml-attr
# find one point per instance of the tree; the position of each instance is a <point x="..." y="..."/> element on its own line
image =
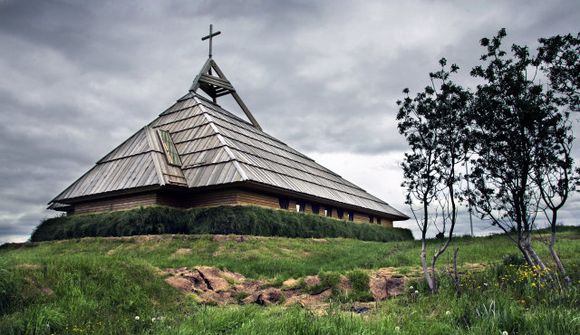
<point x="512" y="116"/>
<point x="435" y="127"/>
<point x="555" y="179"/>
<point x="559" y="58"/>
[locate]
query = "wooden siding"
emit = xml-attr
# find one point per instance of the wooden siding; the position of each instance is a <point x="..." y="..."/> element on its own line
<point x="258" y="199"/>
<point x="213" y="198"/>
<point x="115" y="204"/>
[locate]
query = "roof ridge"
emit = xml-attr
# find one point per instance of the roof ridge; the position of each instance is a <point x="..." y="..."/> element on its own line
<point x="237" y="166"/>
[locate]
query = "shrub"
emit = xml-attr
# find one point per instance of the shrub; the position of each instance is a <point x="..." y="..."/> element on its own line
<point x="240" y="220"/>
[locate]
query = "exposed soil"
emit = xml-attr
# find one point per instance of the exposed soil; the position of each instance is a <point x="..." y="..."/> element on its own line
<point x="220" y="287"/>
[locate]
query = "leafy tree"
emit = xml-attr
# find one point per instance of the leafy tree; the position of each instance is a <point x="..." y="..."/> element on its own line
<point x="559" y="58"/>
<point x="514" y="121"/>
<point x="435" y="127"/>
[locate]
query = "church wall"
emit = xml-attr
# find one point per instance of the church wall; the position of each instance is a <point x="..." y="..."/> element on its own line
<point x="231" y="197"/>
<point x="115" y="204"/>
<point x="257" y="199"/>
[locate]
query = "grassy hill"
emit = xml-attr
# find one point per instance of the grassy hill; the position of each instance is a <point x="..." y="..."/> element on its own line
<point x="116" y="286"/>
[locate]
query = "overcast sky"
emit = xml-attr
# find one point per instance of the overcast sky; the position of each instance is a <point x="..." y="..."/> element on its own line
<point x="78" y="77"/>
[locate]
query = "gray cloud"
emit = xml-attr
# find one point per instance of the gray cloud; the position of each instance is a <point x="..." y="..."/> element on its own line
<point x="80" y="77"/>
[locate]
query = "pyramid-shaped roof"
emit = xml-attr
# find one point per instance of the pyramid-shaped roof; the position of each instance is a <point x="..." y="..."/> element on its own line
<point x="214" y="147"/>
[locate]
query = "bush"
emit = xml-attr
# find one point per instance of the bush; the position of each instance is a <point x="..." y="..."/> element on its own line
<point x="240" y="220"/>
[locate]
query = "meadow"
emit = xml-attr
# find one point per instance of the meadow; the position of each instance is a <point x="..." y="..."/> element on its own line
<point x="113" y="285"/>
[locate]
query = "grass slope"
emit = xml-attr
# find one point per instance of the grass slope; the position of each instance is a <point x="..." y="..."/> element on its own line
<point x="244" y="220"/>
<point x="100" y="285"/>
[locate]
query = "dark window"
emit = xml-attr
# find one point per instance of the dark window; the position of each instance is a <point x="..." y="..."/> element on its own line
<point x="371" y="219"/>
<point x="340" y="213"/>
<point x="350" y="215"/>
<point x="284" y="203"/>
<point x="315" y="208"/>
<point x="300" y="206"/>
<point x="379" y="220"/>
<point x="328" y="211"/>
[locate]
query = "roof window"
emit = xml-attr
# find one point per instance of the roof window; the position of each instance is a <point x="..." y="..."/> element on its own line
<point x="169" y="147"/>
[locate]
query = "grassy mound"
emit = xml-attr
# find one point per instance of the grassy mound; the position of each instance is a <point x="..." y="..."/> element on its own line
<point x="115" y="286"/>
<point x="217" y="220"/>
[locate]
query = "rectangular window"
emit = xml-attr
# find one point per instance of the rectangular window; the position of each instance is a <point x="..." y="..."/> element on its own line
<point x="315" y="209"/>
<point x="284" y="203"/>
<point x="328" y="211"/>
<point x="301" y="206"/>
<point x="371" y="219"/>
<point x="169" y="147"/>
<point x="340" y="213"/>
<point x="350" y="215"/>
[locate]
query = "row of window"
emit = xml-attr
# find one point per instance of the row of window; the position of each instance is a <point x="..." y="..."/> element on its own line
<point x="327" y="210"/>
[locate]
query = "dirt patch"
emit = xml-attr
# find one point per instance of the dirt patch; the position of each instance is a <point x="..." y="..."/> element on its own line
<point x="181" y="252"/>
<point x="309" y="300"/>
<point x="219" y="287"/>
<point x="311" y="281"/>
<point x="290" y="283"/>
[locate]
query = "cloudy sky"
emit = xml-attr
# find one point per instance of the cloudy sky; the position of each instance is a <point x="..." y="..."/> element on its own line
<point x="79" y="77"/>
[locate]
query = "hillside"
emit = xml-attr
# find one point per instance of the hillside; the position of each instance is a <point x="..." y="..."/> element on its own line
<point x="117" y="285"/>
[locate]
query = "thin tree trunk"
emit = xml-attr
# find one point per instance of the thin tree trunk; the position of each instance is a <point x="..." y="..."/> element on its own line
<point x="430" y="280"/>
<point x="553" y="252"/>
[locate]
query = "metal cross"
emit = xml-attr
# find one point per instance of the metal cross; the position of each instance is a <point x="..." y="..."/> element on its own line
<point x="210" y="36"/>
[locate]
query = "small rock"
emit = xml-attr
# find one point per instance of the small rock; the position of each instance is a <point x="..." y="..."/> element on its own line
<point x="213" y="279"/>
<point x="385" y="287"/>
<point x="180" y="283"/>
<point x="359" y="309"/>
<point x="265" y="297"/>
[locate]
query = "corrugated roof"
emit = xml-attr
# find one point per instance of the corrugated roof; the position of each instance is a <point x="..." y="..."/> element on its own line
<point x="215" y="147"/>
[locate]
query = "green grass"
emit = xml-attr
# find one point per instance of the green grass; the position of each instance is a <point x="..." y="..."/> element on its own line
<point x="99" y="286"/>
<point x="245" y="220"/>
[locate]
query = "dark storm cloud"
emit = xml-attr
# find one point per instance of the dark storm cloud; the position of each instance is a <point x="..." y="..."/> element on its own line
<point x="77" y="78"/>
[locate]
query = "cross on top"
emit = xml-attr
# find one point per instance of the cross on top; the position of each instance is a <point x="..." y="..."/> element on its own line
<point x="210" y="37"/>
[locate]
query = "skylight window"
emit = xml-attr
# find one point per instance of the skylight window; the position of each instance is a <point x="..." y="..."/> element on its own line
<point x="169" y="147"/>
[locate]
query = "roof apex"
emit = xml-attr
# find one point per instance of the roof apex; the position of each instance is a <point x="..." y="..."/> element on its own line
<point x="217" y="86"/>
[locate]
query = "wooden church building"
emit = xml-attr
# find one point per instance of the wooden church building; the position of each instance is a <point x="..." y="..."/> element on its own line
<point x="197" y="154"/>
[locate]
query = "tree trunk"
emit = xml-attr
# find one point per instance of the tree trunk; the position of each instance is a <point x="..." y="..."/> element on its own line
<point x="553" y="252"/>
<point x="430" y="280"/>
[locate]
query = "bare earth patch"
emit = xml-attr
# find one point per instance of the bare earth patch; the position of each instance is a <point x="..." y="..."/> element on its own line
<point x="181" y="252"/>
<point x="211" y="285"/>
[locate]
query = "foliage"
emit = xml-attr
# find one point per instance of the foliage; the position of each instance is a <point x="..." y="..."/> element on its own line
<point x="435" y="126"/>
<point x="522" y="142"/>
<point x="559" y="57"/>
<point x="217" y="220"/>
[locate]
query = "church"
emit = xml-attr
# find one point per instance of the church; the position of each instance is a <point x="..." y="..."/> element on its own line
<point x="197" y="154"/>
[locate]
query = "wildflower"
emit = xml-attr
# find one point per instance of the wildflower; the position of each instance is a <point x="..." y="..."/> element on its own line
<point x="485" y="284"/>
<point x="411" y="287"/>
<point x="153" y="319"/>
<point x="504" y="332"/>
<point x="397" y="328"/>
<point x="533" y="285"/>
<point x="448" y="313"/>
<point x="416" y="291"/>
<point x="137" y="317"/>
